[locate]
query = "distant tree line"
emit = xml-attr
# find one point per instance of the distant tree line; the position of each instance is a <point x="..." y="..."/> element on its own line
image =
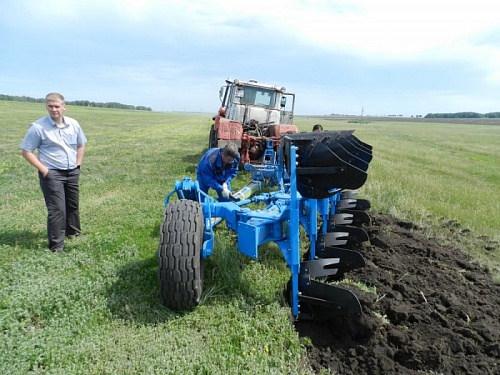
<point x="464" y="115"/>
<point x="81" y="103"/>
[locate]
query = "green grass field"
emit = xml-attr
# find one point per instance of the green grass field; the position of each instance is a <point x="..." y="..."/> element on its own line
<point x="95" y="309"/>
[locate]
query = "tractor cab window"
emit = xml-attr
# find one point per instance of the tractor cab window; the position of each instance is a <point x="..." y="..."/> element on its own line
<point x="258" y="96"/>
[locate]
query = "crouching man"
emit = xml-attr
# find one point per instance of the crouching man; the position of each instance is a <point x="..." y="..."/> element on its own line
<point x="216" y="169"/>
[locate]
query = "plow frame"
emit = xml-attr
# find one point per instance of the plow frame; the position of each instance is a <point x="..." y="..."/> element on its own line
<point x="280" y="222"/>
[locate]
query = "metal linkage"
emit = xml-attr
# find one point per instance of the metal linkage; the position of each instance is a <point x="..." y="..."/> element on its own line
<point x="312" y="171"/>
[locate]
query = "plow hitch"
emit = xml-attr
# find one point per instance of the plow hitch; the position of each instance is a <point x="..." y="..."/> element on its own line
<point x="316" y="175"/>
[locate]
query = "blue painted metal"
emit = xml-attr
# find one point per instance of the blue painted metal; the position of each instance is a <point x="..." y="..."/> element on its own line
<point x="286" y="211"/>
<point x="256" y="227"/>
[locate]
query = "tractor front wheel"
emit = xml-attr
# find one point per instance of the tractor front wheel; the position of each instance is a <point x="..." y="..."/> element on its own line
<point x="179" y="255"/>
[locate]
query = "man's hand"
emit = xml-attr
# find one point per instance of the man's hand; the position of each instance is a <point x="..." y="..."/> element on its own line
<point x="224" y="186"/>
<point x="225" y="193"/>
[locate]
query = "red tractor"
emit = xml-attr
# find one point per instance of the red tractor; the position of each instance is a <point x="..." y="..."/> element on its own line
<point x="252" y="115"/>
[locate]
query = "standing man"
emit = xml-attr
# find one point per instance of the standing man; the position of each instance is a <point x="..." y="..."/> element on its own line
<point x="216" y="169"/>
<point x="60" y="143"/>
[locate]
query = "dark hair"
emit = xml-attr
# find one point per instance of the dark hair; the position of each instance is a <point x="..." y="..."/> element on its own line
<point x="317" y="128"/>
<point x="230" y="149"/>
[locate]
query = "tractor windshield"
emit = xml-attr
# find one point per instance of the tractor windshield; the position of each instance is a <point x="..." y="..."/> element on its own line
<point x="258" y="96"/>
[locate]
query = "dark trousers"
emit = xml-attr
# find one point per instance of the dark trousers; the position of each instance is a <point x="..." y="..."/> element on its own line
<point x="61" y="193"/>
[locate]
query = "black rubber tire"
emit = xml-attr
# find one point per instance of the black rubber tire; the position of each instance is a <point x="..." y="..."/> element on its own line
<point x="212" y="139"/>
<point x="180" y="269"/>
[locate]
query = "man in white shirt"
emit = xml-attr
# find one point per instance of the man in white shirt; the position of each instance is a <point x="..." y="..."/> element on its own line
<point x="60" y="143"/>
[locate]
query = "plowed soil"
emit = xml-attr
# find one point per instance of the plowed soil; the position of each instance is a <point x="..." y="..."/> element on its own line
<point x="435" y="311"/>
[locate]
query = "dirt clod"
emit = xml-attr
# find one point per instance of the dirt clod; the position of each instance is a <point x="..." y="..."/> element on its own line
<point x="435" y="311"/>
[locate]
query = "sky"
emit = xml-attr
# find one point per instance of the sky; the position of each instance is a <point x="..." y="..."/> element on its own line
<point x="371" y="57"/>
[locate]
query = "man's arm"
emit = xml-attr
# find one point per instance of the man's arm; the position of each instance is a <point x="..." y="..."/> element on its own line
<point x="233" y="171"/>
<point x="33" y="160"/>
<point x="80" y="151"/>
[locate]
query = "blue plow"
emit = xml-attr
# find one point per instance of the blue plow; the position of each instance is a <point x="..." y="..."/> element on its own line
<point x="314" y="175"/>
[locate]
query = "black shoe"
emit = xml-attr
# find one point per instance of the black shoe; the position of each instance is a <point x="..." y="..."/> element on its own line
<point x="57" y="250"/>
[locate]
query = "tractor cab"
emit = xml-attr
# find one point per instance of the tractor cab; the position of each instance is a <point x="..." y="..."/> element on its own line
<point x="252" y="113"/>
<point x="251" y="101"/>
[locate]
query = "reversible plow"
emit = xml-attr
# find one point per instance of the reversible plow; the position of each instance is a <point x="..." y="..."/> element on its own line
<point x="314" y="175"/>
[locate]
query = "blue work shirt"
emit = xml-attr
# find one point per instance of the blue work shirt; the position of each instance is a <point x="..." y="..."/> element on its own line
<point x="212" y="174"/>
<point x="56" y="146"/>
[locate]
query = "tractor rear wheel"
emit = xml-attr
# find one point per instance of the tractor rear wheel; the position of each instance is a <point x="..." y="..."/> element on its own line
<point x="179" y="255"/>
<point x="212" y="139"/>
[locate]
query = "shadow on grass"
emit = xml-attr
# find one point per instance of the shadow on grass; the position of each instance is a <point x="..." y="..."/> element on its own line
<point x="23" y="238"/>
<point x="155" y="232"/>
<point x="134" y="296"/>
<point x="193" y="161"/>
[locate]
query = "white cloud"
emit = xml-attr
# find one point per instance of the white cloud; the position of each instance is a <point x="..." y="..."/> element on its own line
<point x="337" y="55"/>
<point x="395" y="29"/>
<point x="381" y="29"/>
